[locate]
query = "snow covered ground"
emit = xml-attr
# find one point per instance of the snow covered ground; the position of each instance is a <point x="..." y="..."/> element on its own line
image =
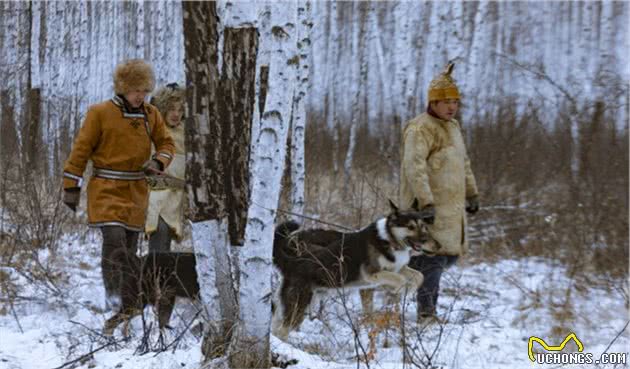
<point x="489" y="313"/>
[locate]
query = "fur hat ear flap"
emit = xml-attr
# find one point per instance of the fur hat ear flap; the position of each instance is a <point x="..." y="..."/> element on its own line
<point x="133" y="74"/>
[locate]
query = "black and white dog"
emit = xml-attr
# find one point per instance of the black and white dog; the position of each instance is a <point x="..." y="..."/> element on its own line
<point x="156" y="279"/>
<point x="375" y="256"/>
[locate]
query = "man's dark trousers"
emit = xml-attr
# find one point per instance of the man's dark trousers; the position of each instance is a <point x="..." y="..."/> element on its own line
<point x="431" y="267"/>
<point x="119" y="246"/>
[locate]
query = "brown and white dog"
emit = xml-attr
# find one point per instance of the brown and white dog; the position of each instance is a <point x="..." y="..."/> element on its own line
<point x="315" y="259"/>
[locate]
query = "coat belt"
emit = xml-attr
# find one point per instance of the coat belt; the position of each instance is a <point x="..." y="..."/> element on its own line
<point x="118" y="174"/>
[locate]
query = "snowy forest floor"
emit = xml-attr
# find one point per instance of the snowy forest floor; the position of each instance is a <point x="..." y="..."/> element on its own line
<point x="490" y="311"/>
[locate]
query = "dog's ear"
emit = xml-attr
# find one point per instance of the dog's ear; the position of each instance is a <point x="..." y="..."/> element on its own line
<point x="416" y="205"/>
<point x="393" y="206"/>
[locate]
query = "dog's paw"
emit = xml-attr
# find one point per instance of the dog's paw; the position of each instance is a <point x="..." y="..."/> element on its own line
<point x="281" y="362"/>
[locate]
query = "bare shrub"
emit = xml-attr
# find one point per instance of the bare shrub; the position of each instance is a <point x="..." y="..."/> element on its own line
<point x="547" y="190"/>
<point x="543" y="192"/>
<point x="32" y="221"/>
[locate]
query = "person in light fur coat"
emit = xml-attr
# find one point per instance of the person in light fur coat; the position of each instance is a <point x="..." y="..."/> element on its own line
<point x="435" y="169"/>
<point x="167" y="198"/>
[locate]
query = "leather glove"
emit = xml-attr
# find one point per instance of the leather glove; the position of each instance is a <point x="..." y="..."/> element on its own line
<point x="428" y="214"/>
<point x="150" y="166"/>
<point x="472" y="204"/>
<point x="71" y="197"/>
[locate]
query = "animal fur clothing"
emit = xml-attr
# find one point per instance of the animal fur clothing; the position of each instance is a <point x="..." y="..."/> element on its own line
<point x="119" y="142"/>
<point x="435" y="169"/>
<point x="165" y="200"/>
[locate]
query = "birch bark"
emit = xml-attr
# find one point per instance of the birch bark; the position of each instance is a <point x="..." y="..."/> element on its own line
<point x="251" y="347"/>
<point x="298" y="165"/>
<point x="221" y="107"/>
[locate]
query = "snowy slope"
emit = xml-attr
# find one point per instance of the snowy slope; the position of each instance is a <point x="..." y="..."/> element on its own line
<point x="490" y="311"/>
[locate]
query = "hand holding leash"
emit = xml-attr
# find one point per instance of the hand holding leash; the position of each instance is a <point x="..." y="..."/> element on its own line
<point x="151" y="165"/>
<point x="160" y="179"/>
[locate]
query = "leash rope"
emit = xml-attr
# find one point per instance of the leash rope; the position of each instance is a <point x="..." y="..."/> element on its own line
<point x="305" y="217"/>
<point x="163" y="174"/>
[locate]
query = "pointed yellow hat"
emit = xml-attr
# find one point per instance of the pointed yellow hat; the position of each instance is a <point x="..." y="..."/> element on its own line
<point x="443" y="87"/>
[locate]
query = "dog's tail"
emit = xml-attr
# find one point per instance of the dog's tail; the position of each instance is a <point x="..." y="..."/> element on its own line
<point x="280" y="240"/>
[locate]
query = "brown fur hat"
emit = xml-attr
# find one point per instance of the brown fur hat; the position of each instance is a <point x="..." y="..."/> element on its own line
<point x="165" y="96"/>
<point x="133" y="74"/>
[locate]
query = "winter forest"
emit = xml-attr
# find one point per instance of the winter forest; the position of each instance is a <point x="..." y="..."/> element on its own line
<point x="296" y="110"/>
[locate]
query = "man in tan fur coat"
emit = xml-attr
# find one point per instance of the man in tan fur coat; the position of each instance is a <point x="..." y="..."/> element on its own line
<point x="167" y="198"/>
<point x="435" y="169"/>
<point x="116" y="136"/>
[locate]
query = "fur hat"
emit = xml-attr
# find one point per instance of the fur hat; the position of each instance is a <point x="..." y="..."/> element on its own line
<point x="443" y="87"/>
<point x="133" y="74"/>
<point x="165" y="96"/>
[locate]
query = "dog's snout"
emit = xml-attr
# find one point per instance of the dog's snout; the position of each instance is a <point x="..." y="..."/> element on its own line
<point x="424" y="237"/>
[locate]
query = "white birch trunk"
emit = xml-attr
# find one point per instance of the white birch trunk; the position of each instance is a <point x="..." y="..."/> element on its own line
<point x="298" y="167"/>
<point x="269" y="152"/>
<point x="263" y="60"/>
<point x="356" y="72"/>
<point x="211" y="261"/>
<point x="331" y="110"/>
<point x="14" y="66"/>
<point x="382" y="103"/>
<point x="404" y="49"/>
<point x="218" y="257"/>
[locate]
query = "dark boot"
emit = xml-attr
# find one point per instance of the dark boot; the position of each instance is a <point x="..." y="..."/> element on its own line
<point x="160" y="241"/>
<point x="427" y="295"/>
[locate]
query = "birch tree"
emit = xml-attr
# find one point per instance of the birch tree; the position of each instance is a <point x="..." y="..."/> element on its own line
<point x="331" y="81"/>
<point x="359" y="71"/>
<point x="221" y="107"/>
<point x="298" y="119"/>
<point x="268" y="166"/>
<point x="15" y="18"/>
<point x="222" y="62"/>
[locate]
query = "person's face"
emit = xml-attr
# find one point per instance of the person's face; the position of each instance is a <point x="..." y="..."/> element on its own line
<point x="174" y="114"/>
<point x="136" y="97"/>
<point x="445" y="109"/>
